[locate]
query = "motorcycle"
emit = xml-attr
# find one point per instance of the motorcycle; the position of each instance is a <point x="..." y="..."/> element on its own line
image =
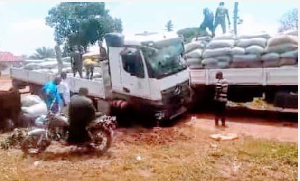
<point x="55" y="128"/>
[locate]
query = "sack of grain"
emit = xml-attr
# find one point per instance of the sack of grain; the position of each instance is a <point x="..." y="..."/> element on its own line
<point x="193" y="45"/>
<point x="288" y="61"/>
<point x="32" y="66"/>
<point x="271" y="60"/>
<point x="48" y="65"/>
<point x="228" y="36"/>
<point x="272" y="63"/>
<point x="250" y="42"/>
<point x="49" y="60"/>
<point x="45" y="71"/>
<point x="270" y="57"/>
<point x="254" y="50"/>
<point x="217" y="62"/>
<point x="66" y="65"/>
<point x="238" y="51"/>
<point x="256" y="35"/>
<point x="217" y="52"/>
<point x="281" y="48"/>
<point x="220" y="44"/>
<point x="66" y="59"/>
<point x="282" y="39"/>
<point x="291" y="32"/>
<point x="195" y="54"/>
<point x="290" y="54"/>
<point x="30" y="100"/>
<point x="35" y="110"/>
<point x="246" y="61"/>
<point x="192" y="62"/>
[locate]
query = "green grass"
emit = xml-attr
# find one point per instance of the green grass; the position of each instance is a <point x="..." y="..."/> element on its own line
<point x="173" y="154"/>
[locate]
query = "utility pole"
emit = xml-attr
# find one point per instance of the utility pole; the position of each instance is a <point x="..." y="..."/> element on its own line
<point x="235" y="17"/>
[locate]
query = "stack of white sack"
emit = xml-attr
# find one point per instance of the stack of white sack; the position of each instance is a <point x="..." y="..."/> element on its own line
<point x="194" y="53"/>
<point x="33" y="106"/>
<point x="281" y="50"/>
<point x="248" y="50"/>
<point x="49" y="66"/>
<point x="218" y="52"/>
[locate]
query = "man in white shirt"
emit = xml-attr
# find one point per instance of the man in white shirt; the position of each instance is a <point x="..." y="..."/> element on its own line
<point x="64" y="90"/>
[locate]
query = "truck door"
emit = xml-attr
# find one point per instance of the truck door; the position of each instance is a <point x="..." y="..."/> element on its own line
<point x="134" y="77"/>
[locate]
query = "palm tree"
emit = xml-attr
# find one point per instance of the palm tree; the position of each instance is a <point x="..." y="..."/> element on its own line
<point x="43" y="52"/>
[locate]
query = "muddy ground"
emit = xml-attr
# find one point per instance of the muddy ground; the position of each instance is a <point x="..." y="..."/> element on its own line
<point x="266" y="149"/>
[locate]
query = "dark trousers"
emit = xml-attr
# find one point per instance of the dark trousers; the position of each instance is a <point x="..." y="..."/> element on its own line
<point x="220" y="112"/>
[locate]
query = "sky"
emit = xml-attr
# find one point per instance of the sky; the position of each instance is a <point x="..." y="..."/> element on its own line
<point x="23" y="28"/>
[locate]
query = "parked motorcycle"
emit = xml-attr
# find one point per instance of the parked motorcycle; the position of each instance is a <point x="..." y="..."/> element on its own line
<point x="100" y="133"/>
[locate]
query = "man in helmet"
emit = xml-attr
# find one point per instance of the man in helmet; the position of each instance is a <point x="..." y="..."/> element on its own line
<point x="220" y="17"/>
<point x="208" y="21"/>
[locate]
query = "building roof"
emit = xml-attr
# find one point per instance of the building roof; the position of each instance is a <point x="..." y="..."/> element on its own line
<point x="9" y="57"/>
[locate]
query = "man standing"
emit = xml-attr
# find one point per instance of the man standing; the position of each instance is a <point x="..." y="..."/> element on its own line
<point x="220" y="17"/>
<point x="208" y="21"/>
<point x="76" y="62"/>
<point x="81" y="113"/>
<point x="220" y="99"/>
<point x="64" y="90"/>
<point x="51" y="95"/>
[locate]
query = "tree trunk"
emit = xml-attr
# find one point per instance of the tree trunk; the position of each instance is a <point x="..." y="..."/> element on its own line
<point x="58" y="58"/>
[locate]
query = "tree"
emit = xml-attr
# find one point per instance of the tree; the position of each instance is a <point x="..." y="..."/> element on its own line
<point x="169" y="26"/>
<point x="43" y="52"/>
<point x="289" y="21"/>
<point x="81" y="23"/>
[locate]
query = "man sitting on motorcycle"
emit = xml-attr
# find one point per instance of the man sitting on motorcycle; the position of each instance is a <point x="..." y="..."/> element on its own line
<point x="81" y="113"/>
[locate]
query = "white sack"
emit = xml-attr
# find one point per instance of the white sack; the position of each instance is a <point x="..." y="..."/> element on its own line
<point x="250" y="42"/>
<point x="217" y="52"/>
<point x="195" y="53"/>
<point x="254" y="50"/>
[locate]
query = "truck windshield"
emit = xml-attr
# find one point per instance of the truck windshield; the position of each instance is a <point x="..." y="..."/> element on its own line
<point x="164" y="60"/>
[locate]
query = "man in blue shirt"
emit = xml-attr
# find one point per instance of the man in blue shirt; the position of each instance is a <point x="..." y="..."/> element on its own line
<point x="51" y="94"/>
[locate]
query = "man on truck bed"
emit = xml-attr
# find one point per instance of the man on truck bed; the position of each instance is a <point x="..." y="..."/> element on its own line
<point x="220" y="17"/>
<point x="220" y="99"/>
<point x="76" y="61"/>
<point x="208" y="21"/>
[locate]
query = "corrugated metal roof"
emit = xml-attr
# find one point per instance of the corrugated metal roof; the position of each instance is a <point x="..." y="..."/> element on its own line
<point x="9" y="57"/>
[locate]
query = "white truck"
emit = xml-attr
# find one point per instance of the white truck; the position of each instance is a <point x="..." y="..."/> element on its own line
<point x="145" y="73"/>
<point x="247" y="83"/>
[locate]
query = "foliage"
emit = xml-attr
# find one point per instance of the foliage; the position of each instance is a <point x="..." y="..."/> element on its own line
<point x="43" y="52"/>
<point x="289" y="21"/>
<point x="169" y="26"/>
<point x="81" y="23"/>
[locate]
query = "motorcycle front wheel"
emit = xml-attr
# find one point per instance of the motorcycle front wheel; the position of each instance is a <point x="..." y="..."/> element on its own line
<point x="101" y="140"/>
<point x="34" y="144"/>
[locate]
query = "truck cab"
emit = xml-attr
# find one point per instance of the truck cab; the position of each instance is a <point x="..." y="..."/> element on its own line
<point x="148" y="72"/>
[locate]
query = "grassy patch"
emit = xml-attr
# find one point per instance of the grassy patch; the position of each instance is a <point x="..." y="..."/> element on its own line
<point x="181" y="153"/>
